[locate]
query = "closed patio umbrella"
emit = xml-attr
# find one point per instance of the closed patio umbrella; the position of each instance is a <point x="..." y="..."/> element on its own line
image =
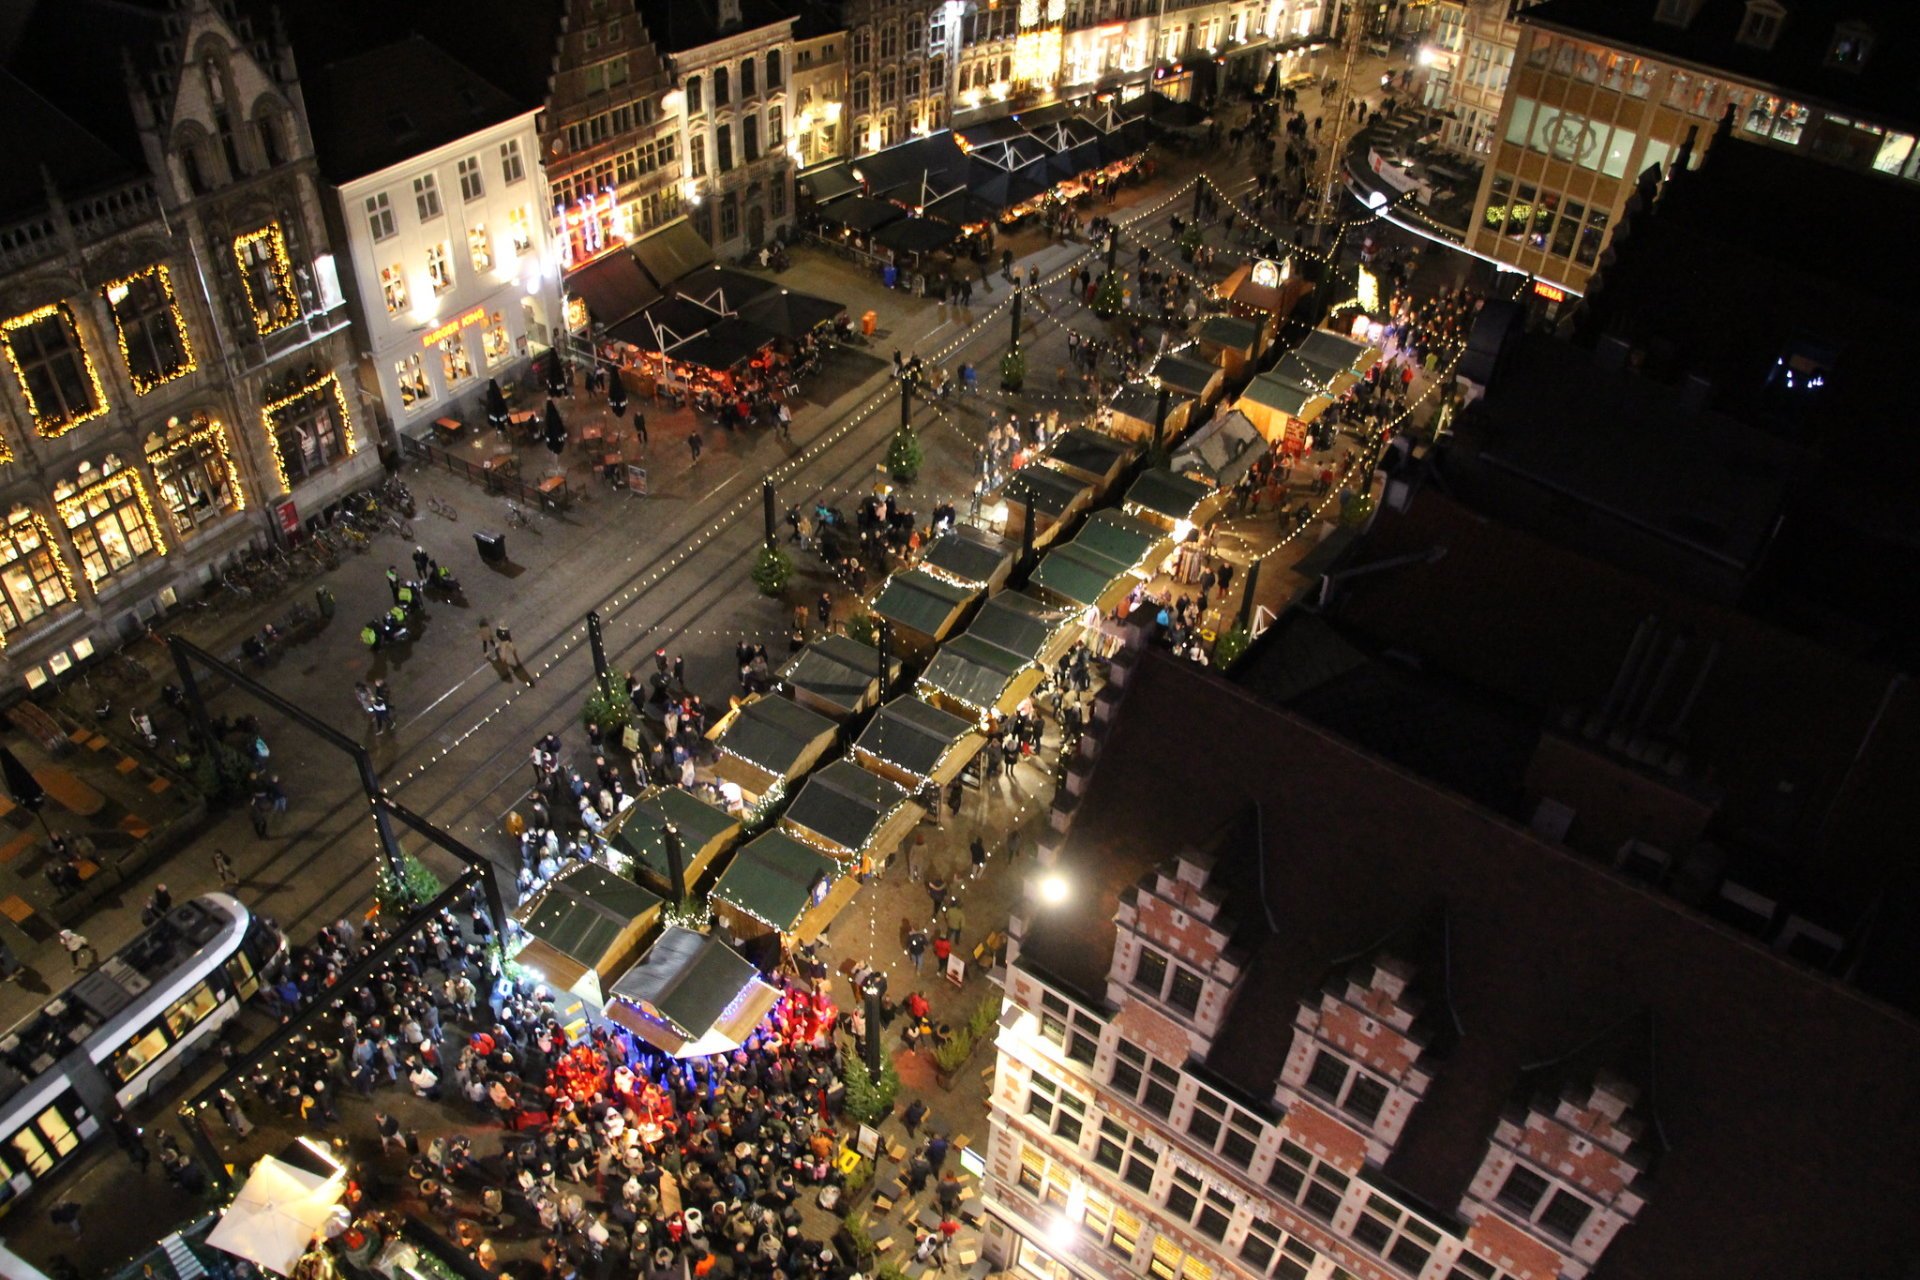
<point x="496" y="405"/>
<point x="617" y="396"/>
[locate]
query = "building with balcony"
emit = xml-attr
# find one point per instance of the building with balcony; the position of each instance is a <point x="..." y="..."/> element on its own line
<point x="1603" y="90"/>
<point x="819" y="131"/>
<point x="435" y="188"/>
<point x="731" y="60"/>
<point x="178" y="355"/>
<point x="1289" y="1011"/>
<point x="1466" y="61"/>
<point x="900" y="60"/>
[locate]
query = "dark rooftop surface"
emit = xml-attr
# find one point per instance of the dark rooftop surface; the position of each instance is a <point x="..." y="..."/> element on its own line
<point x="913" y="734"/>
<point x="1786" y="1101"/>
<point x="680" y="25"/>
<point x="1798" y="59"/>
<point x="376" y="109"/>
<point x="690" y="977"/>
<point x="844" y="803"/>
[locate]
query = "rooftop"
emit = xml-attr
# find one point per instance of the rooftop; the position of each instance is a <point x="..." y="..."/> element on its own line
<point x="1783" y="1097"/>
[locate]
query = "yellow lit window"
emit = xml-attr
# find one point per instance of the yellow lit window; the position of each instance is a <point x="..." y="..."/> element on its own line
<point x="454" y="361"/>
<point x="520" y="231"/>
<point x="479" y="248"/>
<point x="498" y="344"/>
<point x="151" y="331"/>
<point x="266" y="272"/>
<point x="393" y="287"/>
<point x="139" y="1055"/>
<point x="109" y="519"/>
<point x="189" y="1010"/>
<point x="310" y="430"/>
<point x="56" y="375"/>
<point x="411" y="375"/>
<point x="440" y="267"/>
<point x="194" y="469"/>
<point x="1167" y="1257"/>
<point x="33" y="578"/>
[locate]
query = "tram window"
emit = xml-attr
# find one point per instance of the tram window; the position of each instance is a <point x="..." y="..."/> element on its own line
<point x="240" y="974"/>
<point x="54" y="1127"/>
<point x="189" y="1009"/>
<point x="133" y="1059"/>
<point x="32" y="1151"/>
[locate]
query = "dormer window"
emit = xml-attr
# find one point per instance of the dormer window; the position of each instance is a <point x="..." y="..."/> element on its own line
<point x="1676" y="13"/>
<point x="1851" y="43"/>
<point x="1761" y="27"/>
<point x="1539" y="1200"/>
<point x="1338" y="1082"/>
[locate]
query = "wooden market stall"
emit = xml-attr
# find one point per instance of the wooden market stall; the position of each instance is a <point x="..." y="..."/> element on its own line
<point x="1134" y="407"/>
<point x="1234" y="342"/>
<point x="924" y="609"/>
<point x="977" y="679"/>
<point x="1092" y="456"/>
<point x="1029" y="628"/>
<point x="782" y="885"/>
<point x="768" y="741"/>
<point x="1221" y="452"/>
<point x="706" y="832"/>
<point x="1171" y="501"/>
<point x="1056" y="498"/>
<point x="851" y="814"/>
<point x="584" y="928"/>
<point x="836" y="676"/>
<point x="1280" y="409"/>
<point x="1196" y="380"/>
<point x="1078" y="576"/>
<point x="913" y="743"/>
<point x="970" y="557"/>
<point x="691" y="995"/>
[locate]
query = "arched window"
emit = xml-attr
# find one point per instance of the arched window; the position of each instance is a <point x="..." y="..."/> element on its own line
<point x="773" y="70"/>
<point x="747" y="78"/>
<point x="693" y="94"/>
<point x="721" y="96"/>
<point x="271" y="126"/>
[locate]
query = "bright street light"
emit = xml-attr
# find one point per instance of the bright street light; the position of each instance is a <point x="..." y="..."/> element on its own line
<point x="1053" y="889"/>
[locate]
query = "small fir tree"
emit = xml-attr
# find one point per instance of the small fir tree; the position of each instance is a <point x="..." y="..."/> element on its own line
<point x="1109" y="297"/>
<point x="772" y="569"/>
<point x="903" y="455"/>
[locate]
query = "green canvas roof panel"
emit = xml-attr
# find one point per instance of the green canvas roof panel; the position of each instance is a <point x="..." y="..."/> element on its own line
<point x="1078" y="573"/>
<point x="972" y="671"/>
<point x="921" y="601"/>
<point x="1231" y="331"/>
<point x="584" y="909"/>
<point x="1328" y="349"/>
<point x="689" y="977"/>
<point x="698" y="822"/>
<point x="1307" y="373"/>
<point x="773" y="733"/>
<point x="1166" y="494"/>
<point x="844" y="803"/>
<point x="836" y="669"/>
<point x="969" y="554"/>
<point x="1278" y="393"/>
<point x="771" y="876"/>
<point x="1019" y="624"/>
<point x="1046" y="489"/>
<point x="1127" y="540"/>
<point x="913" y="734"/>
<point x="1085" y="449"/>
<point x="1186" y="376"/>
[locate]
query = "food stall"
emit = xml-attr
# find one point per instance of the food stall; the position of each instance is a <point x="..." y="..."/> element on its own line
<point x="836" y="676"/>
<point x="1173" y="502"/>
<point x="691" y="996"/>
<point x="1281" y="409"/>
<point x="923" y="608"/>
<point x="850" y="813"/>
<point x="1233" y="342"/>
<point x="970" y="557"/>
<point x="1055" y="497"/>
<point x="1093" y="456"/>
<point x="914" y="744"/>
<point x="977" y="679"/>
<point x="584" y="928"/>
<point x="780" y="885"/>
<point x="706" y="833"/>
<point x="767" y="742"/>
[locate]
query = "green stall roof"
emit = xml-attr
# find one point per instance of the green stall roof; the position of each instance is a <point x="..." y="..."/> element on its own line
<point x="919" y="600"/>
<point x="1094" y="452"/>
<point x="689" y="978"/>
<point x="969" y="555"/>
<point x="836" y="669"/>
<point x="699" y="823"/>
<point x="1236" y="332"/>
<point x="1123" y="538"/>
<point x="1045" y="489"/>
<point x="773" y="733"/>
<point x="1019" y="624"/>
<point x="844" y="803"/>
<point x="583" y="911"/>
<point x="1166" y="494"/>
<point x="771" y="878"/>
<point x="970" y="670"/>
<point x="913" y="734"/>
<point x="1078" y="573"/>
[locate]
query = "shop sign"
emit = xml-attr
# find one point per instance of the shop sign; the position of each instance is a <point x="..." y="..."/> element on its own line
<point x="435" y="337"/>
<point x="1551" y="292"/>
<point x="287" y="516"/>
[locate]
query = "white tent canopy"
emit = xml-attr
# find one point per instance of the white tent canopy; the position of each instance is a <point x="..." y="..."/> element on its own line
<point x="277" y="1214"/>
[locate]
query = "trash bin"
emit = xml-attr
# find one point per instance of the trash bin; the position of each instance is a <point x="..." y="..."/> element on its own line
<point x="890" y="276"/>
<point x="323" y="594"/>
<point x="493" y="546"/>
<point x="871" y="320"/>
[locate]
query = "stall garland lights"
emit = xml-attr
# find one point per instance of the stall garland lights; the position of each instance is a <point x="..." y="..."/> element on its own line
<point x="158" y="273"/>
<point x="327" y="382"/>
<point x="283" y="311"/>
<point x="74" y="505"/>
<point x="53" y="428"/>
<point x="570" y="640"/>
<point x="43" y="531"/>
<point x="211" y="430"/>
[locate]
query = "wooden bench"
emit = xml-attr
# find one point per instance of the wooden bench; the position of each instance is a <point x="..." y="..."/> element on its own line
<point x="18" y="845"/>
<point x="16" y="909"/>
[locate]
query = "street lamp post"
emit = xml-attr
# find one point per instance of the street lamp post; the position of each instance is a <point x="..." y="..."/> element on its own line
<point x="767" y="508"/>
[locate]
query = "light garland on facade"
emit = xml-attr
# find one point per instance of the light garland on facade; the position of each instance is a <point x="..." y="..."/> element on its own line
<point x="329" y="382"/>
<point x="210" y="429"/>
<point x="159" y="273"/>
<point x="55" y="428"/>
<point x="76" y="502"/>
<point x="43" y="531"/>
<point x="284" y="310"/>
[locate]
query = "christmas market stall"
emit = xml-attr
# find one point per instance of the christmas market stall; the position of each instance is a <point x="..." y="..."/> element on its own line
<point x="977" y="679"/>
<point x="1281" y="409"/>
<point x="1029" y="628"/>
<point x="856" y="816"/>
<point x="1233" y="342"/>
<point x="1173" y="502"/>
<point x="924" y="609"/>
<point x="1264" y="290"/>
<point x="777" y="884"/>
<point x="1056" y="498"/>
<point x="1112" y="553"/>
<point x="1092" y="456"/>
<point x="636" y="835"/>
<point x="1197" y="380"/>
<point x="1221" y="452"/>
<point x="836" y="676"/>
<point x="915" y="744"/>
<point x="583" y="928"/>
<point x="1336" y="358"/>
<point x="765" y="743"/>
<point x="969" y="557"/>
<point x="1136" y="405"/>
<point x="691" y="996"/>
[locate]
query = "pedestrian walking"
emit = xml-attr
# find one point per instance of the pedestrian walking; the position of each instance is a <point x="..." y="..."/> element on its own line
<point x="393" y="583"/>
<point x="380" y="708"/>
<point x="917" y="947"/>
<point x="694" y="444"/>
<point x="77" y="946"/>
<point x="915" y="1113"/>
<point x="640" y="427"/>
<point x="509" y="654"/>
<point x="223" y="867"/>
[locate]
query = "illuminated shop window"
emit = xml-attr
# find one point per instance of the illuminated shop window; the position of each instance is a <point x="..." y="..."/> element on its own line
<point x="411" y="375"/>
<point x="454" y="361"/>
<point x="194" y="470"/>
<point x="393" y="287"/>
<point x="109" y="519"/>
<point x="33" y="578"/>
<point x="479" y="247"/>
<point x="310" y="430"/>
<point x="267" y="274"/>
<point x="496" y="341"/>
<point x="150" y="328"/>
<point x="56" y="374"/>
<point x="520" y="231"/>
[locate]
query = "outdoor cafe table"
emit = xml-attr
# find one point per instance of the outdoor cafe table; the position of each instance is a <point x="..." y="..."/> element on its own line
<point x="448" y="429"/>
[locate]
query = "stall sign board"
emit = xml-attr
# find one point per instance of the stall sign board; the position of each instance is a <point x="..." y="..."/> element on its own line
<point x="956" y="969"/>
<point x="869" y="1142"/>
<point x="287" y="516"/>
<point x="636" y="479"/>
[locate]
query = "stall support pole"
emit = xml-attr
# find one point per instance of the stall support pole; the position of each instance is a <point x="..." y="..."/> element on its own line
<point x="1113" y="246"/>
<point x="1199" y="197"/>
<point x="676" y="865"/>
<point x="599" y="645"/>
<point x="883" y="634"/>
<point x="767" y="505"/>
<point x="1160" y="421"/>
<point x="874" y="1030"/>
<point x="1019" y="293"/>
<point x="1246" y="600"/>
<point x="906" y="403"/>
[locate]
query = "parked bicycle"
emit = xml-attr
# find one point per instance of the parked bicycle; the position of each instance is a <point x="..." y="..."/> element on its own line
<point x="517" y="518"/>
<point x="441" y="507"/>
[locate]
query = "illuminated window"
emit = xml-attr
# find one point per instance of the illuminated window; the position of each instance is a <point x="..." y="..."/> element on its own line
<point x="440" y="266"/>
<point x="426" y="197"/>
<point x="50" y="1136"/>
<point x="1111" y="1225"/>
<point x="411" y="374"/>
<point x="496" y="342"/>
<point x="512" y="168"/>
<point x="520" y="231"/>
<point x="310" y="430"/>
<point x="109" y="520"/>
<point x="194" y="470"/>
<point x="472" y="185"/>
<point x="190" y="1010"/>
<point x="393" y="287"/>
<point x="479" y="248"/>
<point x="139" y="1055"/>
<point x="380" y="216"/>
<point x="55" y="372"/>
<point x="32" y="578"/>
<point x="454" y="362"/>
<point x="267" y="275"/>
<point x="150" y="328"/>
